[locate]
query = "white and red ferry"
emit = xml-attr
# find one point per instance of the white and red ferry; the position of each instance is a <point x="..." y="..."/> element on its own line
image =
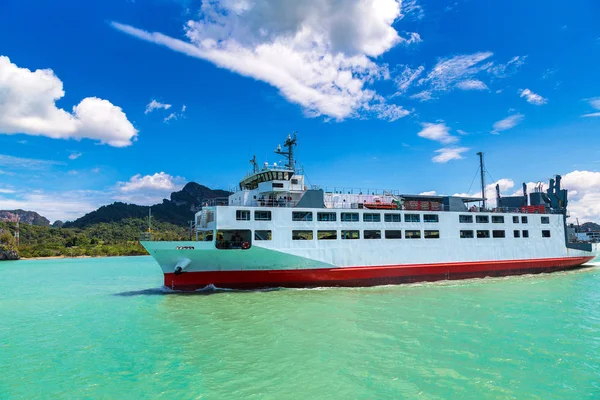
<point x="276" y="232"/>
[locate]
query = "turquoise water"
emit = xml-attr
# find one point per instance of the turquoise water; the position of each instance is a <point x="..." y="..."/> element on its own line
<point x="99" y="328"/>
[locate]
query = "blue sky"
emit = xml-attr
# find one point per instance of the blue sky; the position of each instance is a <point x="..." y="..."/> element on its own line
<point x="384" y="94"/>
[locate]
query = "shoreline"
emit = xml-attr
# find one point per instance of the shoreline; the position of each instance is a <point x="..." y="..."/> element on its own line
<point x="61" y="257"/>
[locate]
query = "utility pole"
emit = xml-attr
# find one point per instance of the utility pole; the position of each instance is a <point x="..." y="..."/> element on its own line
<point x="191" y="222"/>
<point x="482" y="170"/>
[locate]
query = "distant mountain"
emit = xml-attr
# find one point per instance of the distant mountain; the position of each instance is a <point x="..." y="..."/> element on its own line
<point x="590" y="226"/>
<point x="179" y="210"/>
<point x="25" y="217"/>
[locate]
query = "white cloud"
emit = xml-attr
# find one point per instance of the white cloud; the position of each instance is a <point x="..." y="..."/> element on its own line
<point x="6" y="191"/>
<point x="170" y="117"/>
<point x="155" y="105"/>
<point x="183" y="108"/>
<point x="584" y="195"/>
<point x="438" y="132"/>
<point x="429" y="193"/>
<point x="461" y="132"/>
<point x="508" y="123"/>
<point x="450" y="70"/>
<point x="449" y="153"/>
<point x="471" y="84"/>
<point x="148" y="189"/>
<point x="64" y="206"/>
<point x="320" y="54"/>
<point x="28" y="105"/>
<point x="22" y="163"/>
<point x="463" y="71"/>
<point x="595" y="103"/>
<point x="406" y="78"/>
<point x="74" y="156"/>
<point x="508" y="69"/>
<point x="533" y="98"/>
<point x="425" y="95"/>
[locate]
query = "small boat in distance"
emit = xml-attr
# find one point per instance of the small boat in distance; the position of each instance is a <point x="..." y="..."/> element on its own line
<point x="274" y="231"/>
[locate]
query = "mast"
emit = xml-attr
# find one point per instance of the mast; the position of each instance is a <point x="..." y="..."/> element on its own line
<point x="289" y="143"/>
<point x="482" y="171"/>
<point x="254" y="164"/>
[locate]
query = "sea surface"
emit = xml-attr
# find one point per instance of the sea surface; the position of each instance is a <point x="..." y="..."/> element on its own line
<point x="102" y="328"/>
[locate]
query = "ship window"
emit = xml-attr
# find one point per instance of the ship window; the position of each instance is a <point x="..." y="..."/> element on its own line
<point x="326" y="235"/>
<point x="515" y="219"/>
<point x="523" y="219"/>
<point x="350" y="234"/>
<point x="483" y="234"/>
<point x="262" y="215"/>
<point x="372" y="234"/>
<point x="393" y="234"/>
<point x="525" y="234"/>
<point x="546" y="234"/>
<point x="392" y="218"/>
<point x="205" y="236"/>
<point x="262" y="235"/>
<point x="372" y="217"/>
<point x="466" y="234"/>
<point x="465" y="219"/>
<point x="232" y="239"/>
<point x="517" y="233"/>
<point x="349" y="217"/>
<point x="302" y="235"/>
<point x="412" y="218"/>
<point x="498" y="234"/>
<point x="294" y="181"/>
<point x="432" y="234"/>
<point x="242" y="215"/>
<point x="326" y="216"/>
<point x="545" y="220"/>
<point x="482" y="219"/>
<point x="277" y="185"/>
<point x="302" y="216"/>
<point x="431" y="218"/>
<point x="497" y="219"/>
<point x="412" y="234"/>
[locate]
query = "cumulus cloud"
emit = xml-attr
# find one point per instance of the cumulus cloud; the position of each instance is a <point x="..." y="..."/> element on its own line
<point x="28" y="105"/>
<point x="148" y="189"/>
<point x="507" y="123"/>
<point x="438" y="132"/>
<point x="74" y="156"/>
<point x="320" y="54"/>
<point x="471" y="84"/>
<point x="449" y="153"/>
<point x="533" y="98"/>
<point x="595" y="103"/>
<point x="584" y="194"/>
<point x="155" y="105"/>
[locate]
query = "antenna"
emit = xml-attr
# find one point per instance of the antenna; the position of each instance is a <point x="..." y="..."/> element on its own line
<point x="482" y="170"/>
<point x="254" y="164"/>
<point x="289" y="143"/>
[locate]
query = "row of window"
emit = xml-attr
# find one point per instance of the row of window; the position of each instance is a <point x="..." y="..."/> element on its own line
<point x="388" y="234"/>
<point x="483" y="234"/>
<point x="496" y="219"/>
<point x="244" y="215"/>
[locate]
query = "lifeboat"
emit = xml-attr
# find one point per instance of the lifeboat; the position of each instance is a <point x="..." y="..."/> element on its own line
<point x="379" y="205"/>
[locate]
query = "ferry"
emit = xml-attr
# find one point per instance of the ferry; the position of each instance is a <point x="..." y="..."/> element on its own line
<point x="275" y="231"/>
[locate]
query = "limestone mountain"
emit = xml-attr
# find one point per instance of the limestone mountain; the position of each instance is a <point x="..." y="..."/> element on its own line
<point x="25" y="217"/>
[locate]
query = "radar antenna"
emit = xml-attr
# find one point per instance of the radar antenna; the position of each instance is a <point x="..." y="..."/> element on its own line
<point x="290" y="142"/>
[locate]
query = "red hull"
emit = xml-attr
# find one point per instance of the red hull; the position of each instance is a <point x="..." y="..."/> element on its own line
<point x="367" y="276"/>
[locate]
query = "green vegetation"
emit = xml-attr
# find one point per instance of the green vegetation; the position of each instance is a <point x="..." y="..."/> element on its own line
<point x="100" y="239"/>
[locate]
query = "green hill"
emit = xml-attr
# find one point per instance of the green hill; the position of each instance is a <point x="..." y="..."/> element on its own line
<point x="179" y="210"/>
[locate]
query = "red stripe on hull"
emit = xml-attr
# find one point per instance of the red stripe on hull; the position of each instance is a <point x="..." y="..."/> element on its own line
<point x="368" y="275"/>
